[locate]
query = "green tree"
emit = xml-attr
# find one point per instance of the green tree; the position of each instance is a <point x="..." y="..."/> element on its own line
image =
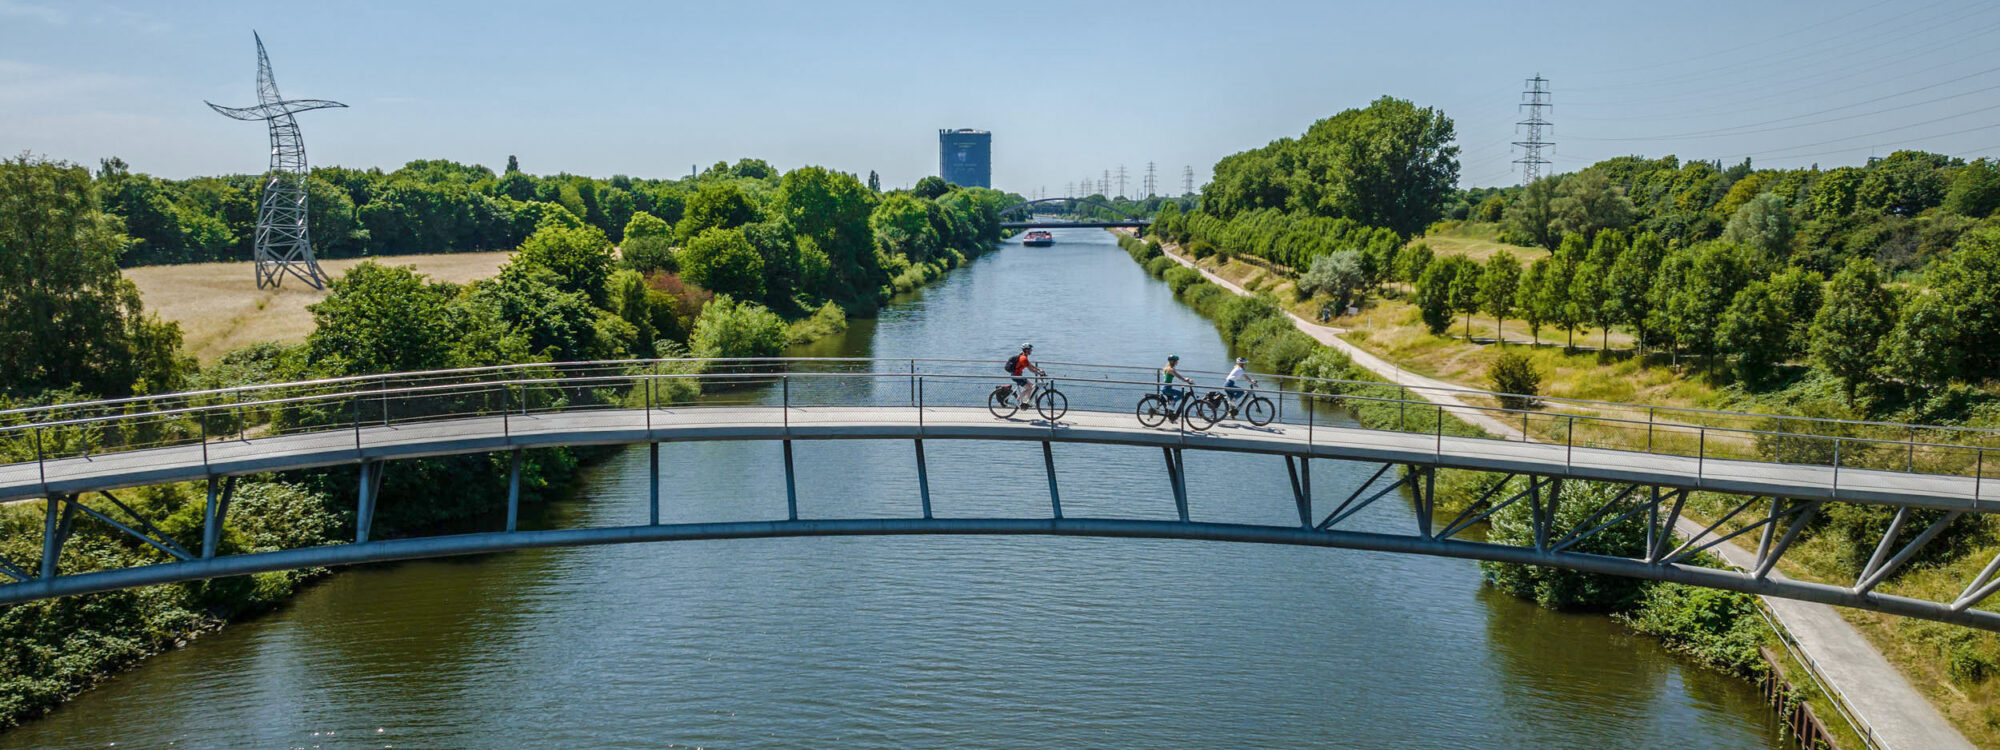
<point x="1498" y="283"/>
<point x="539" y="318"/>
<point x="1924" y="347"/>
<point x="1847" y="332"/>
<point x="644" y="224"/>
<point x="1764" y="226"/>
<point x="1533" y="214"/>
<point x="580" y="259"/>
<point x="1755" y="328"/>
<point x="1465" y="283"/>
<point x="874" y="182"/>
<point x="1630" y="281"/>
<point x="931" y="188"/>
<point x="1558" y="289"/>
<point x="1975" y="189"/>
<point x="830" y="212"/>
<point x="1412" y="260"/>
<point x="1337" y="274"/>
<point x="1389" y="165"/>
<point x="1589" y="203"/>
<point x="382" y="319"/>
<point x="1494" y="208"/>
<point x="724" y="262"/>
<point x="716" y="205"/>
<point x="66" y="316"/>
<point x="1714" y="273"/>
<point x="629" y="299"/>
<point x="1530" y="298"/>
<point x="728" y="328"/>
<point x="1434" y="287"/>
<point x="903" y="227"/>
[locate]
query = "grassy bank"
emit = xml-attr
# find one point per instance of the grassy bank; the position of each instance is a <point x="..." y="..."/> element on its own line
<point x="1715" y="628"/>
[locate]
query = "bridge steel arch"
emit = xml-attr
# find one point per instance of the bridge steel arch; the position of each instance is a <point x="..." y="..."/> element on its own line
<point x="365" y="422"/>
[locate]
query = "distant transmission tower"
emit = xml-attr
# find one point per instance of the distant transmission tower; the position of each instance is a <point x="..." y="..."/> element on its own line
<point x="1121" y="179"/>
<point x="1187" y="180"/>
<point x="283" y="243"/>
<point x="1535" y="100"/>
<point x="1152" y="184"/>
<point x="1104" y="185"/>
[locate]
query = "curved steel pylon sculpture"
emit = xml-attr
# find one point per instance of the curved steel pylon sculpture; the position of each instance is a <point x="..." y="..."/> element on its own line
<point x="284" y="243"/>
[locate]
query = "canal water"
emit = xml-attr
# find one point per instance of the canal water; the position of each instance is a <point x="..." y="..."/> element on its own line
<point x="929" y="641"/>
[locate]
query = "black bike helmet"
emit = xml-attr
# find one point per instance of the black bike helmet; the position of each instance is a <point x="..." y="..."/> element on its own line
<point x="1025" y="346"/>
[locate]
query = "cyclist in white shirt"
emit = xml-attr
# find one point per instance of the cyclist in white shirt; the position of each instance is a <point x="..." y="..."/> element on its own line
<point x="1229" y="384"/>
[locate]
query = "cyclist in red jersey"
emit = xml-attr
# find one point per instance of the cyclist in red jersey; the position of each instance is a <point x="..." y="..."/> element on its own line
<point x="1019" y="366"/>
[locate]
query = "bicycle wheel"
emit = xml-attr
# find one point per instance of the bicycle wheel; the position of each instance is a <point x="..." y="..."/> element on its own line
<point x="1052" y="404"/>
<point x="1001" y="406"/>
<point x="1152" y="410"/>
<point x="1260" y="411"/>
<point x="1203" y="414"/>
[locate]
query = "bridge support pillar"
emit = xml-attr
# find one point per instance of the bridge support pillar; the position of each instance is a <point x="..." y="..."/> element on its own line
<point x="58" y="518"/>
<point x="1055" y="497"/>
<point x="923" y="480"/>
<point x="1300" y="470"/>
<point x="653" y="481"/>
<point x="220" y="489"/>
<point x="1177" y="479"/>
<point x="364" y="512"/>
<point x="791" y="486"/>
<point x="514" y="488"/>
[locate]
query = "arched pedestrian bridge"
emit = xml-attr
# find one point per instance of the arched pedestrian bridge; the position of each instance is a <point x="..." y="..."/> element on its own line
<point x="1774" y="475"/>
<point x="1031" y="222"/>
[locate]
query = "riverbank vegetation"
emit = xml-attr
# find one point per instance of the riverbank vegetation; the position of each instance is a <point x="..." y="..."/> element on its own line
<point x="736" y="254"/>
<point x="1853" y="292"/>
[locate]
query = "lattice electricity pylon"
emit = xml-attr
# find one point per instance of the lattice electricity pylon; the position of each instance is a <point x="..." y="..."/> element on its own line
<point x="284" y="243"/>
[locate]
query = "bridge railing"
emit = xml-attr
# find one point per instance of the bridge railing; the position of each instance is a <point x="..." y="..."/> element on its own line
<point x="524" y="391"/>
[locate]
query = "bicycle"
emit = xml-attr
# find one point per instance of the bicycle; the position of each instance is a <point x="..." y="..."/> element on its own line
<point x="1049" y="402"/>
<point x="1255" y="409"/>
<point x="1197" y="413"/>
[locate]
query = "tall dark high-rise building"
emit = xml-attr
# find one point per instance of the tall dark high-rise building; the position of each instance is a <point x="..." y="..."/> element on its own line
<point x="965" y="157"/>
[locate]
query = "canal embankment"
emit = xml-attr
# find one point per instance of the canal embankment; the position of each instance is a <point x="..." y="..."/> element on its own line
<point x="1879" y="705"/>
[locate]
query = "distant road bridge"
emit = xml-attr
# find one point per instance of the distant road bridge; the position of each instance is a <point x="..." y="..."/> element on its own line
<point x="1779" y="473"/>
<point x="1022" y="209"/>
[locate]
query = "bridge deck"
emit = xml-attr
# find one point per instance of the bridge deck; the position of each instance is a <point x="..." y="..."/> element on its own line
<point x="628" y="426"/>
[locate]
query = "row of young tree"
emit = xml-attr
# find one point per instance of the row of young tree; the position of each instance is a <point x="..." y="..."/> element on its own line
<point x="1724" y="300"/>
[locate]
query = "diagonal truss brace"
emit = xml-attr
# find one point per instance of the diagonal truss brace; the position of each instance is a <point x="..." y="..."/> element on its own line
<point x="1472" y="514"/>
<point x="1877" y="571"/>
<point x="151" y="535"/>
<point x="1350" y="506"/>
<point x="1780" y="512"/>
<point x="1578" y="534"/>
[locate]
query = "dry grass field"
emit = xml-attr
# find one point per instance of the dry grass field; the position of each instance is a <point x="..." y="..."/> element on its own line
<point x="220" y="307"/>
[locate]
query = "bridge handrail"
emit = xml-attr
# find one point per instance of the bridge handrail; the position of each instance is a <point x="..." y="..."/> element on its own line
<point x="634" y="378"/>
<point x="432" y="374"/>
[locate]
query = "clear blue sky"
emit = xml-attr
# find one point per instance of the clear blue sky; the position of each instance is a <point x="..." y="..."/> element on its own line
<point x="1068" y="89"/>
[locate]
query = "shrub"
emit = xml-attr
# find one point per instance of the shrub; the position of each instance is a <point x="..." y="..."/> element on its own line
<point x="1158" y="266"/>
<point x="649" y="253"/>
<point x="1557" y="588"/>
<point x="1337" y="274"/>
<point x="722" y="261"/>
<point x="1244" y="311"/>
<point x="1275" y="345"/>
<point x="827" y="321"/>
<point x="1179" y="278"/>
<point x="1717" y="627"/>
<point x="1200" y="249"/>
<point x="1514" y="373"/>
<point x="728" y="328"/>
